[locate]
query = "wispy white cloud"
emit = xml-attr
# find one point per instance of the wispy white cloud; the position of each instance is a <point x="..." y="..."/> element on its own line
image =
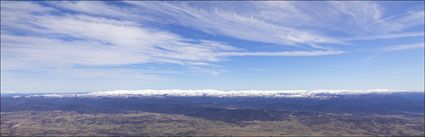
<point x="101" y="41"/>
<point x="404" y="21"/>
<point x="289" y="23"/>
<point x="97" y="8"/>
<point x="69" y="40"/>
<point x="233" y="23"/>
<point x="388" y="36"/>
<point x="361" y="15"/>
<point x="405" y="47"/>
<point x="75" y="36"/>
<point x="284" y="53"/>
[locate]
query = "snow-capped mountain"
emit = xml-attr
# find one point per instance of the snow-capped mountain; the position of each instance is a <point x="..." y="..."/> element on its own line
<point x="323" y="94"/>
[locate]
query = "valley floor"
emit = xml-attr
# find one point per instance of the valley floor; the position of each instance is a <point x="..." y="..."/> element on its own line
<point x="54" y="123"/>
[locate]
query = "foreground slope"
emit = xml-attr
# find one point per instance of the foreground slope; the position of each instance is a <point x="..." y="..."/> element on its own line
<point x="57" y="123"/>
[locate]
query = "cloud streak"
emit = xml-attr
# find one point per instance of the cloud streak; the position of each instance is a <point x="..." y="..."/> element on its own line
<point x="405" y="47"/>
<point x="285" y="53"/>
<point x="86" y="37"/>
<point x="82" y="39"/>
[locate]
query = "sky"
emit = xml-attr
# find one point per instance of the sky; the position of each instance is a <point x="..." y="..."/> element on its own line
<point x="79" y="46"/>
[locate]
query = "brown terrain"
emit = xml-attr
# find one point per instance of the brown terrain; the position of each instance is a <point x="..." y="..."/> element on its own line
<point x="59" y="123"/>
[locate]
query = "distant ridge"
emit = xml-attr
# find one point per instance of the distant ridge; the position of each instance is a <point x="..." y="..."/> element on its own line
<point x="224" y="93"/>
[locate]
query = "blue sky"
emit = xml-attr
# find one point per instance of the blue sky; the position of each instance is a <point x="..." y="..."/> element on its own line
<point x="93" y="45"/>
